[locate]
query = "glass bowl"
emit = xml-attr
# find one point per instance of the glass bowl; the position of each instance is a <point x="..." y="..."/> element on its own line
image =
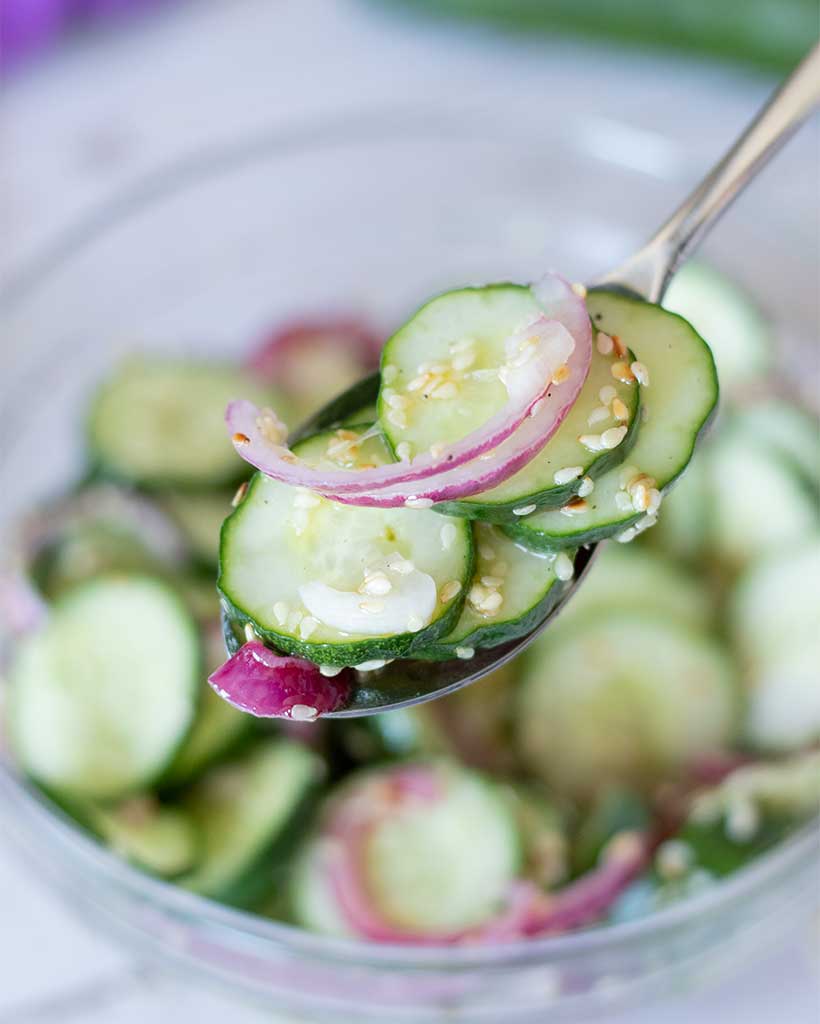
<point x="375" y="211"/>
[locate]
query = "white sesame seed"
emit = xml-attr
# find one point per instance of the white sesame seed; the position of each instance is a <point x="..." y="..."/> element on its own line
<point x="465" y="653"/>
<point x="564" y="569"/>
<point x="579" y="289"/>
<point x="303" y="713"/>
<point x="417" y="383"/>
<point x="371" y="607"/>
<point x="438" y="449"/>
<point x="612" y="438"/>
<point x="448" y="535"/>
<point x="240" y="494"/>
<point x="446" y="390"/>
<point x="414" y="624"/>
<point x="371" y="666"/>
<point x="619" y="409"/>
<point x="492" y="602"/>
<point x="620" y="371"/>
<point x="569" y="473"/>
<point x="640" y="497"/>
<point x="463" y="361"/>
<point x="251" y="636"/>
<point x="645" y="523"/>
<point x="654" y="501"/>
<point x="377" y="585"/>
<point x="403" y="566"/>
<point x="604" y="343"/>
<point x="606" y="394"/>
<point x="491" y="581"/>
<point x="404" y="451"/>
<point x="641" y="373"/>
<point x="329" y="671"/>
<point x="307" y="626"/>
<point x="486" y="552"/>
<point x="281" y="612"/>
<point x="477" y="594"/>
<point x="414" y="502"/>
<point x="449" y="591"/>
<point x="398" y="401"/>
<point x="587" y="487"/>
<point x="397" y="418"/>
<point x="306" y="499"/>
<point x="623" y="502"/>
<point x="524" y="510"/>
<point x="439" y="368"/>
<point x="294" y="619"/>
<point x="389" y="373"/>
<point x="598" y="415"/>
<point x="627" y="535"/>
<point x="592" y="442"/>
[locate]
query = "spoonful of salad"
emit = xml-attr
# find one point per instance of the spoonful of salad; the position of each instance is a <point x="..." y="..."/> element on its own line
<point x="427" y="524"/>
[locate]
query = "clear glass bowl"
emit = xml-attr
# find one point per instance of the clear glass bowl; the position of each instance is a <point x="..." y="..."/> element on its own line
<point x="375" y="212"/>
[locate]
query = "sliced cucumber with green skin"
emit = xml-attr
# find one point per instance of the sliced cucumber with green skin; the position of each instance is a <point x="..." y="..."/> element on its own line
<point x="161" y="422"/>
<point x="789" y="427"/>
<point x="249" y="812"/>
<point x="678" y="404"/>
<point x="740" y="338"/>
<point x="103" y="696"/>
<point x="199" y="516"/>
<point x="544" y="839"/>
<point x="300" y="568"/>
<point x="774" y="617"/>
<point x="564" y="454"/>
<point x="626" y="576"/>
<point x="511" y="592"/>
<point x="760" y="498"/>
<point x="158" y="838"/>
<point x="628" y="698"/>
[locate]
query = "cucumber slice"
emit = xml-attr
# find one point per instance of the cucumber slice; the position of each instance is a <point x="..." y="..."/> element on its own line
<point x="683" y="527"/>
<point x="161" y="423"/>
<point x="544" y="840"/>
<point x="485" y="317"/>
<point x="760" y="499"/>
<point x="297" y="573"/>
<point x="199" y="516"/>
<point x="789" y="427"/>
<point x="248" y="811"/>
<point x="424" y="870"/>
<point x="523" y="585"/>
<point x="740" y="338"/>
<point x="614" y="809"/>
<point x="535" y="483"/>
<point x="155" y="837"/>
<point x="775" y="624"/>
<point x="679" y="401"/>
<point x="625" y="576"/>
<point x="103" y="696"/>
<point x="626" y="698"/>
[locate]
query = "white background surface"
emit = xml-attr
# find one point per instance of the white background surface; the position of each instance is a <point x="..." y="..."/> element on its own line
<point x="89" y="120"/>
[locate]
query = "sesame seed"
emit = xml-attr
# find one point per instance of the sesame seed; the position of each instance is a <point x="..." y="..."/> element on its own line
<point x="654" y="501"/>
<point x="576" y="507"/>
<point x="425" y="367"/>
<point x="598" y="414"/>
<point x="438" y="449"/>
<point x="306" y="499"/>
<point x="439" y="368"/>
<point x="240" y="494"/>
<point x="492" y="581"/>
<point x="492" y="602"/>
<point x="587" y="487"/>
<point x="524" y="510"/>
<point x="465" y="653"/>
<point x="641" y="373"/>
<point x="398" y="402"/>
<point x="414" y="624"/>
<point x="397" y="418"/>
<point x="561" y="374"/>
<point x="387" y="394"/>
<point x="446" y="390"/>
<point x="592" y="442"/>
<point x="389" y="374"/>
<point x="403" y="566"/>
<point x="303" y="713"/>
<point x="294" y="619"/>
<point x="579" y="289"/>
<point x="281" y="612"/>
<point x="619" y="409"/>
<point x="329" y="671"/>
<point x="645" y="523"/>
<point x="564" y="476"/>
<point x="371" y="607"/>
<point x="620" y="371"/>
<point x="640" y="497"/>
<point x="612" y="438"/>
<point x="251" y="636"/>
<point x="618" y="345"/>
<point x="606" y="394"/>
<point x="417" y="383"/>
<point x="564" y="569"/>
<point x="604" y="343"/>
<point x="463" y="361"/>
<point x="239" y="438"/>
<point x="537" y="407"/>
<point x="404" y="451"/>
<point x="674" y="858"/>
<point x="414" y="502"/>
<point x="371" y="666"/>
<point x="449" y="591"/>
<point x="307" y="626"/>
<point x="623" y="502"/>
<point x="477" y="594"/>
<point x="448" y="535"/>
<point x="486" y="552"/>
<point x="627" y="535"/>
<point x="289" y="457"/>
<point x="378" y="585"/>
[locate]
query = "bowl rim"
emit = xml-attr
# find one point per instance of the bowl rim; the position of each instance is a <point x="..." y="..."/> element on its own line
<point x="381" y="123"/>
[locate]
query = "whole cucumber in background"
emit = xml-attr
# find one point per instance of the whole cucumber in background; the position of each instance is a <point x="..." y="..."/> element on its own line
<point x="769" y="34"/>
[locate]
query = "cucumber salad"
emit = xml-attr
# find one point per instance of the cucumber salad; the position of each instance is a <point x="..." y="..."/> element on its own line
<point x="657" y="738"/>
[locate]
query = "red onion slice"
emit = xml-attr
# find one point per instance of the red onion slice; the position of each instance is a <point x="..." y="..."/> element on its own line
<point x="275" y="357"/>
<point x="269" y="685"/>
<point x="538" y="404"/>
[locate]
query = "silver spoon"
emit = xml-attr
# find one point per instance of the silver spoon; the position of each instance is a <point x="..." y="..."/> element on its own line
<point x="646" y="275"/>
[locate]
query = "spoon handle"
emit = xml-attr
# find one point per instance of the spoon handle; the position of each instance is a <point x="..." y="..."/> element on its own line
<point x="650" y="270"/>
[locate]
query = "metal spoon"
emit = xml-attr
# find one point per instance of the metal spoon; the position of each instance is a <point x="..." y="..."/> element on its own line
<point x="646" y="274"/>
